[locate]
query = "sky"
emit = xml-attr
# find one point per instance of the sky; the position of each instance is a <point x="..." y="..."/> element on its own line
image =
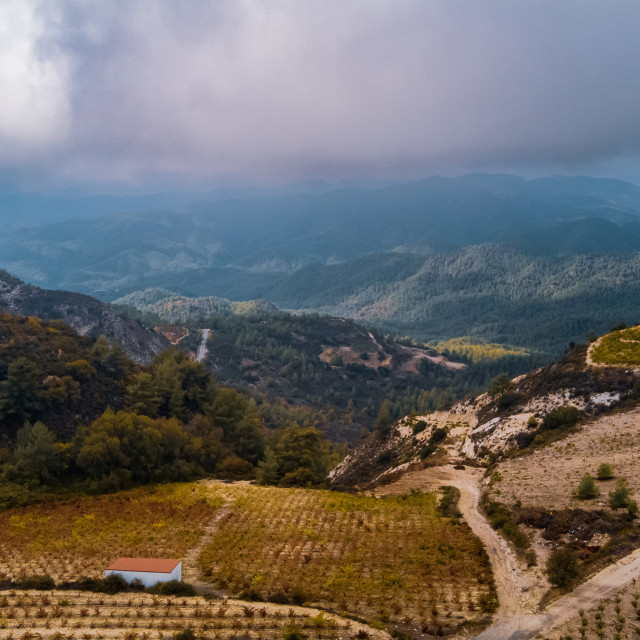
<point x="214" y="92"/>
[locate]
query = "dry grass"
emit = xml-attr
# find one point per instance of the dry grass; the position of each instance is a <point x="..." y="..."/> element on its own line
<point x="548" y="477"/>
<point x="64" y="615"/>
<point x="80" y="537"/>
<point x="392" y="559"/>
<point x="618" y="348"/>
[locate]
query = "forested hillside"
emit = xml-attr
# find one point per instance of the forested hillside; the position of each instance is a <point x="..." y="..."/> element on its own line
<point x="86" y="315"/>
<point x="76" y="411"/>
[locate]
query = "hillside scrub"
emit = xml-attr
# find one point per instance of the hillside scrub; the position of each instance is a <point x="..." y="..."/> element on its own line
<point x="587" y="489"/>
<point x="620" y="347"/>
<point x="605" y="471"/>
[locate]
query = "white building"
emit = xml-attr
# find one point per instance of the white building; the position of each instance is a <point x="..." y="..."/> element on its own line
<point x="149" y="571"/>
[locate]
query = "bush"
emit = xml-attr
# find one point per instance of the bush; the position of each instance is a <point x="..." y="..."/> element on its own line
<point x="233" y="467"/>
<point x="632" y="507"/>
<point x="619" y="497"/>
<point x="294" y="633"/>
<point x="560" y="417"/>
<point x="114" y="583"/>
<point x="531" y="558"/>
<point x="40" y="583"/>
<point x="419" y="426"/>
<point x="508" y="399"/>
<point x="587" y="489"/>
<point x="562" y="567"/>
<point x="185" y="634"/>
<point x="605" y="471"/>
<point x="173" y="588"/>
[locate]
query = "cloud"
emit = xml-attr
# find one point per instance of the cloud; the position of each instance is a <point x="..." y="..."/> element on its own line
<point x="34" y="108"/>
<point x="286" y="89"/>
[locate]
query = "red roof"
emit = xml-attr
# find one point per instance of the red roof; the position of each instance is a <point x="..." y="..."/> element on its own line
<point x="151" y="565"/>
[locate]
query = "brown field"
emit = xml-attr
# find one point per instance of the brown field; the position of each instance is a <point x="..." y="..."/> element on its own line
<point x="390" y="559"/>
<point x="62" y="615"/>
<point x="548" y="477"/>
<point x="68" y="539"/>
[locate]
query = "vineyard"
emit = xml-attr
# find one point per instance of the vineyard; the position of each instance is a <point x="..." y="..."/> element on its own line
<point x="63" y="615"/>
<point x="392" y="559"/>
<point x="68" y="539"/>
<point x="616" y="618"/>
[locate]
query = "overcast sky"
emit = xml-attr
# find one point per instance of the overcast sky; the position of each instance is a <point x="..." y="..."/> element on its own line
<point x="208" y="92"/>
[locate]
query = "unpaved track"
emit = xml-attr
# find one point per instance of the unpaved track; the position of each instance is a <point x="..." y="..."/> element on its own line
<point x="191" y="573"/>
<point x="503" y="560"/>
<point x="512" y="621"/>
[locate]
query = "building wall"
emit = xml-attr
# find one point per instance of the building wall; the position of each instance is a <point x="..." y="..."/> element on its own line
<point x="147" y="578"/>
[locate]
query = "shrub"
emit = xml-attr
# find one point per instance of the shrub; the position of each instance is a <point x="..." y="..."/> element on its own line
<point x="562" y="567"/>
<point x="114" y="583"/>
<point x="619" y="497"/>
<point x="185" y="634"/>
<point x="508" y="399"/>
<point x="531" y="558"/>
<point x="173" y="588"/>
<point x="233" y="467"/>
<point x="587" y="489"/>
<point x="419" y="426"/>
<point x="294" y="633"/>
<point x="532" y="422"/>
<point x="41" y="583"/>
<point x="605" y="471"/>
<point x="560" y="417"/>
<point x="632" y="507"/>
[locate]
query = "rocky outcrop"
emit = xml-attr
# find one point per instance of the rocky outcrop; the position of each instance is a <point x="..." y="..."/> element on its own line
<point x="84" y="314"/>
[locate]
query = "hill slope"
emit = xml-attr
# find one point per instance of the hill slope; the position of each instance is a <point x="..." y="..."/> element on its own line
<point x="86" y="315"/>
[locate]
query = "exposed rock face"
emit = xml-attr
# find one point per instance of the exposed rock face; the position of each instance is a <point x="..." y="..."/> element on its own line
<point x="84" y="314"/>
<point x="485" y="428"/>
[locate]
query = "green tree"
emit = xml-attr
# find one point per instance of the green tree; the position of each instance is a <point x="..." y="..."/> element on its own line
<point x="587" y="489"/>
<point x="605" y="471"/>
<point x="562" y="567"/>
<point x="384" y="418"/>
<point x="267" y="472"/>
<point x="142" y="396"/>
<point x="302" y="456"/>
<point x="19" y="392"/>
<point x="37" y="455"/>
<point x="619" y="497"/>
<point x="500" y="384"/>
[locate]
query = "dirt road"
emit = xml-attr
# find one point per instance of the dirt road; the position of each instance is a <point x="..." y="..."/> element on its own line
<point x="202" y="349"/>
<point x="515" y="620"/>
<point x="509" y="582"/>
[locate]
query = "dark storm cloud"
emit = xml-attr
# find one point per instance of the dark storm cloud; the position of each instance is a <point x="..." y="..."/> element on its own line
<point x="281" y="90"/>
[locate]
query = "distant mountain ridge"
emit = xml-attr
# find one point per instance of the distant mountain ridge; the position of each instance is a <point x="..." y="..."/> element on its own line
<point x="84" y="314"/>
<point x="123" y="252"/>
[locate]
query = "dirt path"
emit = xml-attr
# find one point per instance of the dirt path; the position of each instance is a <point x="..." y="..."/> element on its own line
<point x="190" y="571"/>
<point x="509" y="581"/>
<point x="516" y="619"/>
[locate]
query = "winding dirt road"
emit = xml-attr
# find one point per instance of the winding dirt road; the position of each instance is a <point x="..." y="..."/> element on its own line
<point x="513" y="621"/>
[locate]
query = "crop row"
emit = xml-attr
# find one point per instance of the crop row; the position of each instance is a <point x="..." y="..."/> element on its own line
<point x="392" y="559"/>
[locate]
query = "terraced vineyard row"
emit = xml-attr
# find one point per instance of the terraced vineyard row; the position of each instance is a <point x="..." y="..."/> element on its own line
<point x="62" y="614"/>
<point x="389" y="559"/>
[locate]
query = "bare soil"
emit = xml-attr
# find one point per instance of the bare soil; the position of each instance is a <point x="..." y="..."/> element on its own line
<point x="549" y="477"/>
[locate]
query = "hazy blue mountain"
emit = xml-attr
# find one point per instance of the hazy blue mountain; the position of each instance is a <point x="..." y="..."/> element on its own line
<point x="115" y="254"/>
